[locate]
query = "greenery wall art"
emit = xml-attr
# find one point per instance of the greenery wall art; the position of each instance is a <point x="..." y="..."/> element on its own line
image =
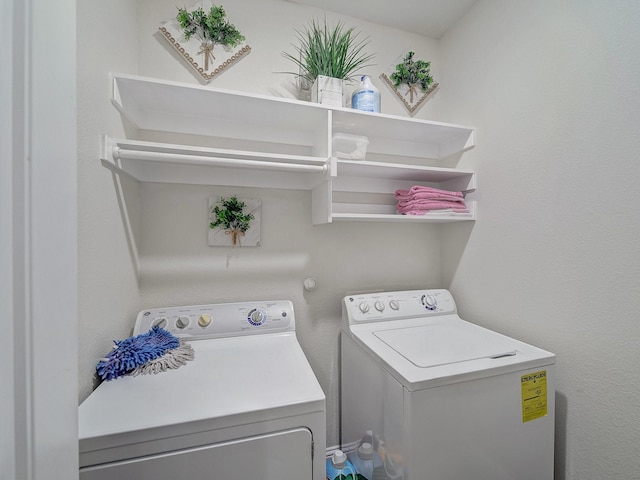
<point x="411" y="81"/>
<point x="205" y="38"/>
<point x="234" y="222"/>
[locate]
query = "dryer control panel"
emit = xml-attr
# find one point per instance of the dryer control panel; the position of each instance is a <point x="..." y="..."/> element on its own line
<point x="219" y="320"/>
<point x="377" y="307"/>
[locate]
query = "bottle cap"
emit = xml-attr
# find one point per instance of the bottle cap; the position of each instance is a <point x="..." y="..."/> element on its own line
<point x="339" y="459"/>
<point x="365" y="451"/>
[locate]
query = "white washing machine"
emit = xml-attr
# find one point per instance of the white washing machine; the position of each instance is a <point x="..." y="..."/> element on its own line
<point x="442" y="398"/>
<point x="248" y="405"/>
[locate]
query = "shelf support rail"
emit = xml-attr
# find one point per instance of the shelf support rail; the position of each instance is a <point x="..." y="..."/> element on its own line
<point x="118" y="153"/>
<point x="123" y="154"/>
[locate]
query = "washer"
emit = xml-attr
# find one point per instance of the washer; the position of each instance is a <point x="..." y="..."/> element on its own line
<point x="247" y="406"/>
<point x="442" y="398"/>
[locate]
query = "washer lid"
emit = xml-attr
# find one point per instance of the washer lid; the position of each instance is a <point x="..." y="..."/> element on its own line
<point x="445" y="343"/>
<point x="427" y="352"/>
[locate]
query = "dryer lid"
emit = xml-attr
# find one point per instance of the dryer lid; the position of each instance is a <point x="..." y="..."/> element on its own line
<point x="232" y="381"/>
<point x="445" y="343"/>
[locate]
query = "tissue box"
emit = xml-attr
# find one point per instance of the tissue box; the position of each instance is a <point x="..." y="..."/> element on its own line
<point x="349" y="147"/>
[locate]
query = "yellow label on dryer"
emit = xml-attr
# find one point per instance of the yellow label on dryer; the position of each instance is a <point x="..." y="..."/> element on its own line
<point x="534" y="395"/>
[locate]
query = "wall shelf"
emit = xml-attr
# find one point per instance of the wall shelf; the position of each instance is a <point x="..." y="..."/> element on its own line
<point x="282" y="143"/>
<point x="364" y="191"/>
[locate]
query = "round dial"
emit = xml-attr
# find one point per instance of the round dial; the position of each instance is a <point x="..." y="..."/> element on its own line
<point x="257" y="317"/>
<point x="429" y="301"/>
<point x="394" y="304"/>
<point x="364" y="307"/>
<point x="204" y="320"/>
<point x="159" y="322"/>
<point x="379" y="306"/>
<point x="183" y="321"/>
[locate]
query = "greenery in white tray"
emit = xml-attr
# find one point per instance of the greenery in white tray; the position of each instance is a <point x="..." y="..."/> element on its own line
<point x="336" y="51"/>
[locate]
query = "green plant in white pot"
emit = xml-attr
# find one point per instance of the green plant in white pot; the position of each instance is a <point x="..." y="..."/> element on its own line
<point x="327" y="57"/>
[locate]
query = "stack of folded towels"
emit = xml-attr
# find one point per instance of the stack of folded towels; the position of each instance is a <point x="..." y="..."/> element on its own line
<point x="419" y="200"/>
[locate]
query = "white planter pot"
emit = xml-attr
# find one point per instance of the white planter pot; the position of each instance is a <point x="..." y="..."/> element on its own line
<point x="328" y="91"/>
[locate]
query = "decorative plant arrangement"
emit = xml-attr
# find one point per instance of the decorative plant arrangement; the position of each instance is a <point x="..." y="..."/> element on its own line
<point x="196" y="32"/>
<point x="210" y="28"/>
<point x="414" y="73"/>
<point x="411" y="81"/>
<point x="232" y="219"/>
<point x="329" y="52"/>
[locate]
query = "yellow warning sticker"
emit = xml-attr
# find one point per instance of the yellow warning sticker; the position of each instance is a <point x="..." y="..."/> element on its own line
<point x="534" y="395"/>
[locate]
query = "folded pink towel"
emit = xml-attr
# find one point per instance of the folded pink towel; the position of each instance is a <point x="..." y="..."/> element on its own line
<point x="420" y="189"/>
<point x="418" y="202"/>
<point x="425" y="206"/>
<point x="430" y="195"/>
<point x="445" y="210"/>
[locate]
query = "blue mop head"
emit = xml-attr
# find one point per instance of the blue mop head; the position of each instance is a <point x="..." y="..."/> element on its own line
<point x="132" y="352"/>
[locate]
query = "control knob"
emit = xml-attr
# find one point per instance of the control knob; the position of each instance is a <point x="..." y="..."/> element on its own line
<point x="394" y="304"/>
<point x="379" y="306"/>
<point x="159" y="322"/>
<point x="183" y="322"/>
<point x="364" y="307"/>
<point x="204" y="320"/>
<point x="256" y="317"/>
<point x="430" y="302"/>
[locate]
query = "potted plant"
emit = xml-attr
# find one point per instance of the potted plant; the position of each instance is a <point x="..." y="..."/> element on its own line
<point x="327" y="57"/>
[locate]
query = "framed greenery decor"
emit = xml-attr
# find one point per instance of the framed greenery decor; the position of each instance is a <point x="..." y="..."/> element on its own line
<point x="204" y="37"/>
<point x="234" y="222"/>
<point x="411" y="81"/>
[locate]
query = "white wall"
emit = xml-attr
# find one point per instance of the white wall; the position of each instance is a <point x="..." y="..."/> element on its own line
<point x="553" y="90"/>
<point x="176" y="264"/>
<point x="108" y="289"/>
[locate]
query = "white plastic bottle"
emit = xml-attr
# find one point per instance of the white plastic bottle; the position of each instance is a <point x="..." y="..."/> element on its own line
<point x="366" y="97"/>
<point x="363" y="461"/>
<point x="339" y="468"/>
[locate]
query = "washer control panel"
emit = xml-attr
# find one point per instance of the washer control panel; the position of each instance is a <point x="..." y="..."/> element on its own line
<point x="219" y="320"/>
<point x="376" y="307"/>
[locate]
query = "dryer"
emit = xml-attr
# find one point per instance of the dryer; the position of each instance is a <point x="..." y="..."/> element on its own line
<point x="247" y="406"/>
<point x="439" y="397"/>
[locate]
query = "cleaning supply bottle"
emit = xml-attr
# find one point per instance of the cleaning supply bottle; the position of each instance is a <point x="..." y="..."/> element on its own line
<point x="339" y="468"/>
<point x="362" y="460"/>
<point x="376" y="443"/>
<point x="366" y="97"/>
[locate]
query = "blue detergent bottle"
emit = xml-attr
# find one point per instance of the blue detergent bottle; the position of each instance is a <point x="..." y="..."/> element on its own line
<point x="339" y="468"/>
<point x="366" y="97"/>
<point x="362" y="460"/>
